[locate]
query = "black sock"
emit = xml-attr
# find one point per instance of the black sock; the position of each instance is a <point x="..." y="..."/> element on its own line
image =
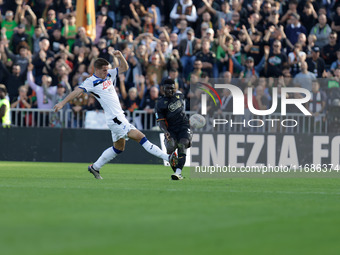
<point x="181" y="160"/>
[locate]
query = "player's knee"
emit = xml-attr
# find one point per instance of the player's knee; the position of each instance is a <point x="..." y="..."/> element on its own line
<point x="170" y="150"/>
<point x="170" y="145"/>
<point x="182" y="149"/>
<point x="118" y="149"/>
<point x="185" y="143"/>
<point x="119" y="146"/>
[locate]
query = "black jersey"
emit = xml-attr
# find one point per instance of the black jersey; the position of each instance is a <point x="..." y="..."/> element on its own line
<point x="171" y="110"/>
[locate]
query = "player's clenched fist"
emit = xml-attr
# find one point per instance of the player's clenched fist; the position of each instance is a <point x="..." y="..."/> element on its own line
<point x="58" y="107"/>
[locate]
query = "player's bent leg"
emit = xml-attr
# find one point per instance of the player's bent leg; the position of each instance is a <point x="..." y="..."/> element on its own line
<point x="171" y="146"/>
<point x="182" y="154"/>
<point x="153" y="149"/>
<point x="120" y="144"/>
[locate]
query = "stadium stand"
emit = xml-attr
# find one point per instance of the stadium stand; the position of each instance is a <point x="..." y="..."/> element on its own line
<point x="245" y="40"/>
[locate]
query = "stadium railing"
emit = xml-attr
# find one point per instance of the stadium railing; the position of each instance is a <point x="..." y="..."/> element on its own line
<point x="147" y="121"/>
<point x="46" y="118"/>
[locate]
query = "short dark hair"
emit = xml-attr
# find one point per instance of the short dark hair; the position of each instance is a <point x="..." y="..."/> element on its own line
<point x="173" y="70"/>
<point x="3" y="88"/>
<point x="100" y="62"/>
<point x="168" y="82"/>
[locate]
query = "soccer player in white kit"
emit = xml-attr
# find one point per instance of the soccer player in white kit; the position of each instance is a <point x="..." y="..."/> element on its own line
<point x="102" y="85"/>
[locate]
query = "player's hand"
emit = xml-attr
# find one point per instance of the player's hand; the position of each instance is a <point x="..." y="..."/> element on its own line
<point x="58" y="107"/>
<point x="167" y="135"/>
<point x="117" y="54"/>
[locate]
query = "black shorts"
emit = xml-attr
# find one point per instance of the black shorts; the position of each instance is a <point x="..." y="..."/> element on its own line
<point x="181" y="132"/>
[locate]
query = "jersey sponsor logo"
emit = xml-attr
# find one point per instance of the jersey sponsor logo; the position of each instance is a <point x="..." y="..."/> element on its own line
<point x="106" y="84"/>
<point x="175" y="105"/>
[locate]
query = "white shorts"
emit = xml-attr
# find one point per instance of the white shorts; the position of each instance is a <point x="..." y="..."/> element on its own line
<point x="120" y="127"/>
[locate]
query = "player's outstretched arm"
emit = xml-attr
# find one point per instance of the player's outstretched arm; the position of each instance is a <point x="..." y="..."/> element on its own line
<point x="76" y="92"/>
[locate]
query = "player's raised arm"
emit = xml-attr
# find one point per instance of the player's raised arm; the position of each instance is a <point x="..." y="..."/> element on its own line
<point x="123" y="65"/>
<point x="76" y="92"/>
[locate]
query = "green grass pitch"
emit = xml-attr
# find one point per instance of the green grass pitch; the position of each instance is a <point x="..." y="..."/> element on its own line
<point x="59" y="208"/>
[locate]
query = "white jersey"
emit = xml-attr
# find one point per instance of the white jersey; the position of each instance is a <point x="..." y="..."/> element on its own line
<point x="105" y="92"/>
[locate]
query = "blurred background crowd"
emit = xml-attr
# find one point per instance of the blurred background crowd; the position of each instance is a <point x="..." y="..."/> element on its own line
<point x="251" y="43"/>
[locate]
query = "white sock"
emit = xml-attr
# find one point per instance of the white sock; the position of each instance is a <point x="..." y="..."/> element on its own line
<point x="178" y="171"/>
<point x="153" y="149"/>
<point x="107" y="156"/>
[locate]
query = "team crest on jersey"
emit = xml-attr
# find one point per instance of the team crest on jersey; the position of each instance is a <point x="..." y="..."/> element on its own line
<point x="174" y="106"/>
<point x="106" y="84"/>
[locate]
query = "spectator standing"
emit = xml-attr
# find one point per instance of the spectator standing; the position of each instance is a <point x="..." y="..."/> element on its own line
<point x="66" y="9"/>
<point x="20" y="59"/>
<point x="276" y="61"/>
<point x="148" y="104"/>
<point x="315" y="63"/>
<point x="261" y="98"/>
<point x="8" y="25"/>
<point x="322" y="31"/>
<point x="227" y="102"/>
<point x="39" y="33"/>
<point x="5" y="119"/>
<point x="81" y="40"/>
<point x="308" y="16"/>
<point x="292" y="8"/>
<point x="40" y="58"/>
<point x="207" y="57"/>
<point x="78" y="106"/>
<point x="256" y="49"/>
<point x="157" y="65"/>
<point x="174" y="75"/>
<point x="181" y="30"/>
<point x="223" y="16"/>
<point x="134" y="96"/>
<point x="317" y="104"/>
<point x="187" y="50"/>
<point x="112" y="37"/>
<point x="249" y="70"/>
<point x="43" y="94"/>
<point x="304" y="78"/>
<point x="336" y="63"/>
<point x="294" y="29"/>
<point x="51" y="22"/>
<point x="19" y="37"/>
<point x="133" y="73"/>
<point x="13" y="80"/>
<point x="336" y="20"/>
<point x="22" y="102"/>
<point x="30" y="22"/>
<point x="184" y="9"/>
<point x="57" y="41"/>
<point x="100" y="25"/>
<point x="328" y="52"/>
<point x="69" y="30"/>
<point x="197" y="72"/>
<point x="295" y="58"/>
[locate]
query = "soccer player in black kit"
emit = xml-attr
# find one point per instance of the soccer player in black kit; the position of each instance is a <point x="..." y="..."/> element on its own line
<point x="174" y="123"/>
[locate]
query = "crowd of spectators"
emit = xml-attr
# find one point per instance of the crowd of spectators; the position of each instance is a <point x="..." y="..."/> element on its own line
<point x="289" y="42"/>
